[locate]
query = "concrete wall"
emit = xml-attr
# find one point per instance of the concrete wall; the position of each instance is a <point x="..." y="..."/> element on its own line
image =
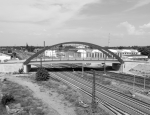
<point x="129" y="65"/>
<point x="125" y="67"/>
<point x="3" y="57"/>
<point x="10" y="67"/>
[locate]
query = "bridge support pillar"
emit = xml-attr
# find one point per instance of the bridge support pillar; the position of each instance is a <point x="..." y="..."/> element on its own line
<point x="26" y="68"/>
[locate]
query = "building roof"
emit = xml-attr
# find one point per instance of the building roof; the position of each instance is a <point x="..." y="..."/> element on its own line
<point x="135" y="55"/>
<point x="113" y="50"/>
<point x="95" y="50"/>
<point x="123" y="50"/>
<point x="81" y="50"/>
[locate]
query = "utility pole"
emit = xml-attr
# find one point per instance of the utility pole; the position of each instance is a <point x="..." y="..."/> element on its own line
<point x="134" y="86"/>
<point x="44" y="51"/>
<point x="105" y="65"/>
<point x="41" y="62"/>
<point x="94" y="103"/>
<point x="106" y="55"/>
<point x="109" y="40"/>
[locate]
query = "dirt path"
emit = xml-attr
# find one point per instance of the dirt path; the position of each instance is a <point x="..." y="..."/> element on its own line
<point x="54" y="102"/>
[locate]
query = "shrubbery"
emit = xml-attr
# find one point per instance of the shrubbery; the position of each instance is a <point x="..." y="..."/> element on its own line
<point x="6" y="99"/>
<point x="42" y="74"/>
<point x="20" y="70"/>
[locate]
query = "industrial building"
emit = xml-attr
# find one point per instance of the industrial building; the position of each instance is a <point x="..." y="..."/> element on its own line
<point x="126" y="54"/>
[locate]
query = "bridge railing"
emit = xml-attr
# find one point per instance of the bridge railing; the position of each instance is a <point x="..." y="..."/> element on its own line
<point x="70" y="58"/>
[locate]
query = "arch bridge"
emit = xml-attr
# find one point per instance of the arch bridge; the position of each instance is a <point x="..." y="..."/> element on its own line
<point x="72" y="52"/>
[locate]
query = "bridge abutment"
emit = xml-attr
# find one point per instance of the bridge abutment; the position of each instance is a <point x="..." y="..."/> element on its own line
<point x="26" y="68"/>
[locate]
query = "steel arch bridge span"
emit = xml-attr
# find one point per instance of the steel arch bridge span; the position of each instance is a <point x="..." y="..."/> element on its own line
<point x="102" y="49"/>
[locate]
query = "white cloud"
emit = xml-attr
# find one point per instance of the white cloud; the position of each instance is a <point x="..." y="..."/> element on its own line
<point x="131" y="29"/>
<point x="49" y="12"/>
<point x="139" y="3"/>
<point x="145" y="26"/>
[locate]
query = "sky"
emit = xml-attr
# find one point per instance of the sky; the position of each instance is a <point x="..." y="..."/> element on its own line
<point x="121" y="22"/>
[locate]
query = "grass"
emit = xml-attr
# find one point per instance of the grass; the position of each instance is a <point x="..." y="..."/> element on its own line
<point x="69" y="94"/>
<point x="2" y="110"/>
<point x="24" y="97"/>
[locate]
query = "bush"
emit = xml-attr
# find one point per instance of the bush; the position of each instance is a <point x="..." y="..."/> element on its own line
<point x="6" y="99"/>
<point x="20" y="71"/>
<point x="42" y="75"/>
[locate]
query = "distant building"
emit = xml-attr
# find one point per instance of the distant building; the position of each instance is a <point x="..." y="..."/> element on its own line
<point x="82" y="53"/>
<point x="123" y="53"/>
<point x="129" y="54"/>
<point x="50" y="53"/>
<point x="37" y="50"/>
<point x="5" y="57"/>
<point x="135" y="57"/>
<point x="81" y="46"/>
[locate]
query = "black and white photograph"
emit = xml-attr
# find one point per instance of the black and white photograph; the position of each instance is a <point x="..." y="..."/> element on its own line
<point x="74" y="57"/>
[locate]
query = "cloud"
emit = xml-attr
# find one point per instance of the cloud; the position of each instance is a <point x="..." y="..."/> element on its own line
<point x="49" y="12"/>
<point x="131" y="29"/>
<point x="140" y="3"/>
<point x="145" y="26"/>
<point x="117" y="35"/>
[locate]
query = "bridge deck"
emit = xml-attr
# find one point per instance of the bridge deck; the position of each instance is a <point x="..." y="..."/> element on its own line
<point x="80" y="60"/>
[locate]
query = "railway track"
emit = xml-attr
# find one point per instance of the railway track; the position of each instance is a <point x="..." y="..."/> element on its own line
<point x="129" y="88"/>
<point x="119" y="94"/>
<point x="139" y="81"/>
<point x="112" y="109"/>
<point x="134" y="107"/>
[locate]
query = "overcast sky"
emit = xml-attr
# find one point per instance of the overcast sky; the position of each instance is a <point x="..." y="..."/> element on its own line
<point x="56" y="21"/>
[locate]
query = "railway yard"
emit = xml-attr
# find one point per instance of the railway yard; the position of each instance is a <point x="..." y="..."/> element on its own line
<point x="114" y="91"/>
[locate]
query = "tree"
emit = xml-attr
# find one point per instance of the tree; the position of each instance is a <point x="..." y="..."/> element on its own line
<point x="120" y="47"/>
<point x="42" y="74"/>
<point x="27" y="47"/>
<point x="14" y="54"/>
